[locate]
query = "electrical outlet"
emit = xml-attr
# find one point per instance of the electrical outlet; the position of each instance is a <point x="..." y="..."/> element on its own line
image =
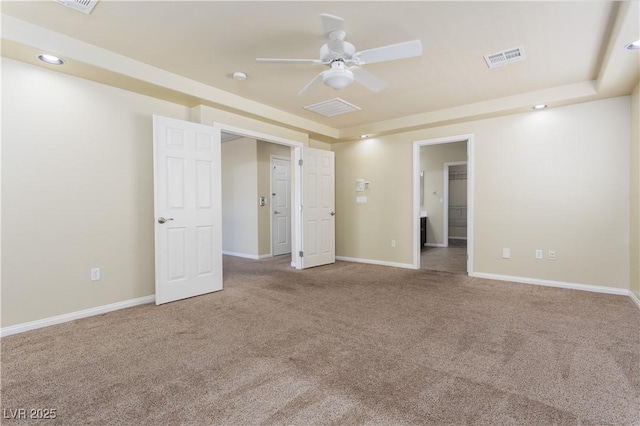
<point x="506" y="253"/>
<point x="538" y="254"/>
<point x="552" y="255"/>
<point x="95" y="274"/>
<point x="393" y="243"/>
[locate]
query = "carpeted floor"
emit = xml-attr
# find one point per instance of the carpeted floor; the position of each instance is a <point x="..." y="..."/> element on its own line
<point x="343" y="344"/>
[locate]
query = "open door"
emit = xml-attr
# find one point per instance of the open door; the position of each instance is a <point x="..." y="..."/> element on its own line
<point x="318" y="212"/>
<point x="187" y="207"/>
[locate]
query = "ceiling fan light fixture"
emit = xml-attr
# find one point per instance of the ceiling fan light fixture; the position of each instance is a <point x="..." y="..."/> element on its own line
<point x="337" y="78"/>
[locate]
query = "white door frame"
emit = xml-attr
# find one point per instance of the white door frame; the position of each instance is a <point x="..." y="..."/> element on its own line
<point x="296" y="181"/>
<point x="445" y="207"/>
<point x="277" y="157"/>
<point x="469" y="138"/>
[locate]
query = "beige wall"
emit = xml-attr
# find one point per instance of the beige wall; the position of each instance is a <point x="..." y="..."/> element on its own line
<point x="77" y="193"/>
<point x="365" y="231"/>
<point x="240" y="197"/>
<point x="208" y="115"/>
<point x="634" y="194"/>
<point x="554" y="179"/>
<point x="265" y="151"/>
<point x="432" y="159"/>
<point x="319" y="145"/>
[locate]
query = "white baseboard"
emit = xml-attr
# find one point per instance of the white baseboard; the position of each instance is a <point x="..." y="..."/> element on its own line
<point x="549" y="283"/>
<point x="59" y="319"/>
<point x="634" y="298"/>
<point x="435" y="245"/>
<point x="246" y="256"/>
<point x="264" y="256"/>
<point x="376" y="262"/>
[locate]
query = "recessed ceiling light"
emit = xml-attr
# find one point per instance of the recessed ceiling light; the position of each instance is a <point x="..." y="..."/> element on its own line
<point x="364" y="136"/>
<point x="50" y="59"/>
<point x="540" y="106"/>
<point x="633" y="45"/>
<point x="239" y="76"/>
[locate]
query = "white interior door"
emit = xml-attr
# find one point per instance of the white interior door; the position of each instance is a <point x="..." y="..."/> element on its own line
<point x="318" y="212"/>
<point x="188" y="219"/>
<point x="280" y="206"/>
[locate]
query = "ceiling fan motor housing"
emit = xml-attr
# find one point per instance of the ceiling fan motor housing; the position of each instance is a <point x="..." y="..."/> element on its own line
<point x="326" y="55"/>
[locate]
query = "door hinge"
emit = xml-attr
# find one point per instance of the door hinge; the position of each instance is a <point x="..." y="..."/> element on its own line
<point x="300" y="207"/>
<point x="301" y="253"/>
<point x="300" y="162"/>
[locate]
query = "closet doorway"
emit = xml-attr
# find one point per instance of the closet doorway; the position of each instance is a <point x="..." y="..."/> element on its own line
<point x="443" y="204"/>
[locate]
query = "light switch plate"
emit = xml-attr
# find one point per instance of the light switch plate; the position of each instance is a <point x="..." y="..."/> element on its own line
<point x="361" y="200"/>
<point x="506" y="253"/>
<point x="95" y="274"/>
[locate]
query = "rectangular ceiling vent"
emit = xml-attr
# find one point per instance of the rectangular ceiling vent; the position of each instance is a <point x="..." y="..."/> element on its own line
<point x="500" y="59"/>
<point x="84" y="6"/>
<point x="332" y="107"/>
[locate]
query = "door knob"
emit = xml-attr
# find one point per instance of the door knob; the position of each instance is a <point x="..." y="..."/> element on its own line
<point x="332" y="213"/>
<point x="163" y="220"/>
<point x="276" y="212"/>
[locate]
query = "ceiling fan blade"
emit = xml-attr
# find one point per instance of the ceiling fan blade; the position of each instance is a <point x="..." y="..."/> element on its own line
<point x="407" y="49"/>
<point x="331" y="23"/>
<point x="284" y="60"/>
<point x="368" y="80"/>
<point x="312" y="84"/>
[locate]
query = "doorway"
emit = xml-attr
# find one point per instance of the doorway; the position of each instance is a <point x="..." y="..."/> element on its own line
<point x="312" y="180"/>
<point x="256" y="197"/>
<point x="433" y="162"/>
<point x="260" y="204"/>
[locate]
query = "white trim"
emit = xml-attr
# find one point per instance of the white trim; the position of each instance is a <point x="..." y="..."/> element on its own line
<point x="59" y="319"/>
<point x="243" y="255"/>
<point x="265" y="256"/>
<point x="469" y="138"/>
<point x="439" y="245"/>
<point x="296" y="181"/>
<point x="550" y="283"/>
<point x="376" y="262"/>
<point x="634" y="299"/>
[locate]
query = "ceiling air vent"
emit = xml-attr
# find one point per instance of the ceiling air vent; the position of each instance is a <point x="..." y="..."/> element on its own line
<point x="85" y="6"/>
<point x="505" y="57"/>
<point x="332" y="107"/>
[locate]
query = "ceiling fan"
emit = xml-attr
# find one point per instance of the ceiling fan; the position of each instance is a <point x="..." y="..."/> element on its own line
<point x="344" y="61"/>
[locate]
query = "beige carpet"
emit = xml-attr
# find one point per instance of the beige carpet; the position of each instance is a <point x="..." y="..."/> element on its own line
<point x="345" y="344"/>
